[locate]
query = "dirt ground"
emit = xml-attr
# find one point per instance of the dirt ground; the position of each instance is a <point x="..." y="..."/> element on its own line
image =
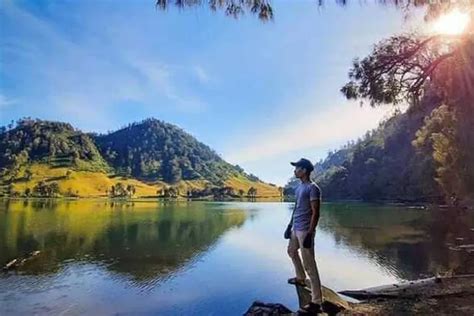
<point x="459" y="304"/>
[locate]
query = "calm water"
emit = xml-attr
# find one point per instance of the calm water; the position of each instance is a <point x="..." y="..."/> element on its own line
<point x="103" y="258"/>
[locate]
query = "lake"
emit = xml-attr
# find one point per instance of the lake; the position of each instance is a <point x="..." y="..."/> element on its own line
<point x="208" y="258"/>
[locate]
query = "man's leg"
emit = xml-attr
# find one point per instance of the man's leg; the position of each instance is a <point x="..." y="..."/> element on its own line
<point x="311" y="268"/>
<point x="293" y="246"/>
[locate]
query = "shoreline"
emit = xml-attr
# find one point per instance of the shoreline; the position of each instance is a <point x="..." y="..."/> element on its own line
<point x="452" y="295"/>
<point x="411" y="206"/>
<point x="136" y="199"/>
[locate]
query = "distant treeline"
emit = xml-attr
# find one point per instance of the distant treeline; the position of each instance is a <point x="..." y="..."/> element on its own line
<point x="150" y="150"/>
<point x="415" y="156"/>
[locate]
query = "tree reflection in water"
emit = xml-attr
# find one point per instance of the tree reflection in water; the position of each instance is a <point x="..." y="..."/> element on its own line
<point x="146" y="241"/>
<point x="411" y="243"/>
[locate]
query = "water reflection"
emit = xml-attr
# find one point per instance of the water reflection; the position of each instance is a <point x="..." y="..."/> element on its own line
<point x="144" y="241"/>
<point x="205" y="258"/>
<point x="411" y="243"/>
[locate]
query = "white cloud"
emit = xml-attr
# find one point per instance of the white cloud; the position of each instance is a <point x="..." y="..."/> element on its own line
<point x="201" y="74"/>
<point x="5" y="101"/>
<point x="159" y="77"/>
<point x="318" y="129"/>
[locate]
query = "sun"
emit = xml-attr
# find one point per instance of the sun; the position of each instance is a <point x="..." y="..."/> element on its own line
<point x="451" y="23"/>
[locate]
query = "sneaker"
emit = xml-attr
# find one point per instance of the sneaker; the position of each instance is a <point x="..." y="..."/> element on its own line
<point x="297" y="281"/>
<point x="310" y="309"/>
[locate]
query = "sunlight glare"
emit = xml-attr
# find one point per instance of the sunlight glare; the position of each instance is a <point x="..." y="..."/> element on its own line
<point x="452" y="23"/>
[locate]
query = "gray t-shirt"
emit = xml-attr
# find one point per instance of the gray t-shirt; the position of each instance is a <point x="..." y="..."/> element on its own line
<point x="304" y="193"/>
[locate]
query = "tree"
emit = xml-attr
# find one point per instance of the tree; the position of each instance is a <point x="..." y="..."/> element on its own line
<point x="252" y="193"/>
<point x="437" y="69"/>
<point x="233" y="8"/>
<point x="265" y="12"/>
<point x="119" y="190"/>
<point x="43" y="189"/>
<point x="440" y="138"/>
<point x="130" y="190"/>
<point x="28" y="175"/>
<point x="403" y="67"/>
<point x="54" y="189"/>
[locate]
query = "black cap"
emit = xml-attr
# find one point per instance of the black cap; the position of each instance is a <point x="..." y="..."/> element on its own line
<point x="303" y="163"/>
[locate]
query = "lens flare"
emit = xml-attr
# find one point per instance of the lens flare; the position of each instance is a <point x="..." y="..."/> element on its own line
<point x="452" y="23"/>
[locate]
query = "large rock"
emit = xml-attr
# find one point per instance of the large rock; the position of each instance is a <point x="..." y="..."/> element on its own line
<point x="267" y="309"/>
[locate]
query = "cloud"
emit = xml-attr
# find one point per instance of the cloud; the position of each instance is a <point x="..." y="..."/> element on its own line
<point x="159" y="77"/>
<point x="87" y="76"/>
<point x="201" y="74"/>
<point x="318" y="129"/>
<point x="5" y="101"/>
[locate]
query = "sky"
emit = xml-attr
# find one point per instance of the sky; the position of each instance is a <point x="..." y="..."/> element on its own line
<point x="259" y="94"/>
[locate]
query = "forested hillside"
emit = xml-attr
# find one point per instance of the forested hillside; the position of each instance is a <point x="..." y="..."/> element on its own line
<point x="54" y="143"/>
<point x="149" y="158"/>
<point x="409" y="157"/>
<point x="156" y="150"/>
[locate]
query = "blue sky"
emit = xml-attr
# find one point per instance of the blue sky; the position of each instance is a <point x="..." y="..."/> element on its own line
<point x="260" y="94"/>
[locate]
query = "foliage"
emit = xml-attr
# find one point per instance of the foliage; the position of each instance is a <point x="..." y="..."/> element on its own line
<point x="383" y="165"/>
<point x="438" y="70"/>
<point x="155" y="150"/>
<point x="234" y="8"/>
<point x="405" y="67"/>
<point x="43" y="189"/>
<point x="55" y="143"/>
<point x="120" y="190"/>
<point x="151" y="150"/>
<point x="265" y="12"/>
<point x="252" y="192"/>
<point x="439" y="137"/>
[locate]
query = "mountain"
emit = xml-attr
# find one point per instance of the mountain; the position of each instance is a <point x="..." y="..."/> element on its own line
<point x="383" y="165"/>
<point x="147" y="158"/>
<point x="401" y="160"/>
<point x="155" y="150"/>
<point x="54" y="143"/>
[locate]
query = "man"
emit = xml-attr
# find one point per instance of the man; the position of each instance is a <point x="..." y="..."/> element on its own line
<point x="301" y="231"/>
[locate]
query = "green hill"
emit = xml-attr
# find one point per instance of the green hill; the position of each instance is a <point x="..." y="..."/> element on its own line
<point x="404" y="159"/>
<point x="149" y="158"/>
<point x="155" y="150"/>
<point x="55" y="143"/>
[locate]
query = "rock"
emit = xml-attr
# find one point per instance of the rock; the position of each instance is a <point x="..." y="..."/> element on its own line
<point x="18" y="262"/>
<point x="470" y="246"/>
<point x="267" y="309"/>
<point x="10" y="265"/>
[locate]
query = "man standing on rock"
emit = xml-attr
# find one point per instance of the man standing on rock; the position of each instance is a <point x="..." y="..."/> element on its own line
<point x="301" y="231"/>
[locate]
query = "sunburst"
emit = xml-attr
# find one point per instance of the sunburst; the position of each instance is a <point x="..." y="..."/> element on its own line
<point x="451" y="23"/>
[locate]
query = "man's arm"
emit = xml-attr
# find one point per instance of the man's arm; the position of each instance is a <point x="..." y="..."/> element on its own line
<point x="293" y="213"/>
<point x="315" y="206"/>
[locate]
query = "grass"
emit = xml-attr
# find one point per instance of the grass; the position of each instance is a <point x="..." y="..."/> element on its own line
<point x="97" y="184"/>
<point x="81" y="183"/>
<point x="241" y="183"/>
